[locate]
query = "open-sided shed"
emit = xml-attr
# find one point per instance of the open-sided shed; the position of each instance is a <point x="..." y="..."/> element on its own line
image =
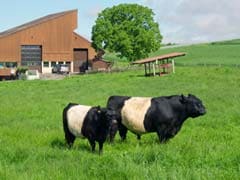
<point x="159" y="65"/>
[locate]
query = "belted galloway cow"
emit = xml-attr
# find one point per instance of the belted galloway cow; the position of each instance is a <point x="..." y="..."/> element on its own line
<point x="85" y="121"/>
<point x="164" y="115"/>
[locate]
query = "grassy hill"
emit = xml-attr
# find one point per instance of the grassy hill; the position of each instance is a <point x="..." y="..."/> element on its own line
<point x="32" y="140"/>
<point x="217" y="53"/>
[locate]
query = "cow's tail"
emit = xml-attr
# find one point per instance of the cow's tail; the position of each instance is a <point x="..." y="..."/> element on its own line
<point x="69" y="137"/>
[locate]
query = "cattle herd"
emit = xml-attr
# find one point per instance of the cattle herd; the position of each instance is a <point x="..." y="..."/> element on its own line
<point x="164" y="115"/>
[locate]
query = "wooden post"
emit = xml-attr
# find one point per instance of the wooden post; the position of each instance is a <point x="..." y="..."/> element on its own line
<point x="149" y="68"/>
<point x="145" y="67"/>
<point x="173" y="66"/>
<point x="164" y="67"/>
<point x="153" y="65"/>
<point x="157" y="64"/>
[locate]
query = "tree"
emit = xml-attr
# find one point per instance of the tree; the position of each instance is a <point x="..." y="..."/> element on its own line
<point x="127" y="29"/>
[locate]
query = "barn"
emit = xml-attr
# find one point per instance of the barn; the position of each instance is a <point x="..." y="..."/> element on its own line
<point x="45" y="42"/>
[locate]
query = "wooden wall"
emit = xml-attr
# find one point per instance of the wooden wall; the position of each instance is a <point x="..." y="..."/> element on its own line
<point x="100" y="65"/>
<point x="9" y="48"/>
<point x="82" y="43"/>
<point x="54" y="35"/>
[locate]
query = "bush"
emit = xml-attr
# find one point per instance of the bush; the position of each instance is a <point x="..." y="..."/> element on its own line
<point x="21" y="72"/>
<point x="22" y="69"/>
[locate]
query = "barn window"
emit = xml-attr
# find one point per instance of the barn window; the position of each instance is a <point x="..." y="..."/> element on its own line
<point x="46" y="64"/>
<point x="8" y="64"/>
<point x="53" y="64"/>
<point x="31" y="55"/>
<point x="11" y="64"/>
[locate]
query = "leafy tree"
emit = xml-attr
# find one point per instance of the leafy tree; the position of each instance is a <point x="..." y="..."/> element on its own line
<point x="127" y="29"/>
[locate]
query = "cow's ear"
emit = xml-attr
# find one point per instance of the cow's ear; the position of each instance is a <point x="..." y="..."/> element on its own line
<point x="104" y="110"/>
<point x="98" y="109"/>
<point x="183" y="99"/>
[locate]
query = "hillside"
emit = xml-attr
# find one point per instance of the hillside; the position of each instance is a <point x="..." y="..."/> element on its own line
<point x="216" y="53"/>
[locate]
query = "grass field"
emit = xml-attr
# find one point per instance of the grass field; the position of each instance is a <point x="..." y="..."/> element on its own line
<point x="32" y="142"/>
<point x="218" y="53"/>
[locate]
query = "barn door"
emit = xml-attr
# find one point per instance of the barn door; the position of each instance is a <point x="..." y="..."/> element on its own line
<point x="80" y="60"/>
<point x="31" y="56"/>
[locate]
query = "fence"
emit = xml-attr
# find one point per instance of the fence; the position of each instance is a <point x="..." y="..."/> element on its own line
<point x="208" y="65"/>
<point x="140" y="67"/>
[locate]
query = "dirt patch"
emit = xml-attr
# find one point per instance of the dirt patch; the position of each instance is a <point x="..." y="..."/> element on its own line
<point x="53" y="76"/>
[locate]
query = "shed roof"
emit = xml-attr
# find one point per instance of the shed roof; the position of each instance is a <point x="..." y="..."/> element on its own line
<point x="161" y="57"/>
<point x="34" y="22"/>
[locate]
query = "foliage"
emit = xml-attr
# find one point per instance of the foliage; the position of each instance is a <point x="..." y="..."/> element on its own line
<point x="32" y="139"/>
<point x="127" y="29"/>
<point x="21" y="72"/>
<point x="22" y="69"/>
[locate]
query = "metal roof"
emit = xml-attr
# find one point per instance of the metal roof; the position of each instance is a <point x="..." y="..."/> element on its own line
<point x="161" y="57"/>
<point x="34" y="22"/>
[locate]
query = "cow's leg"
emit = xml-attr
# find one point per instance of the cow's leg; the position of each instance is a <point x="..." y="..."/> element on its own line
<point x="138" y="136"/>
<point x="70" y="138"/>
<point x="93" y="144"/>
<point x="122" y="131"/>
<point x="160" y="136"/>
<point x="113" y="130"/>
<point x="161" y="133"/>
<point x="100" y="147"/>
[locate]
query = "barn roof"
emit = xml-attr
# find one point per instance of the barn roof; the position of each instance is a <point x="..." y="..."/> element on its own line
<point x="34" y="22"/>
<point x="85" y="39"/>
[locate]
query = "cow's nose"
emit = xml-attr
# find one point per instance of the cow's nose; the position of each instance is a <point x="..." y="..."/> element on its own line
<point x="114" y="121"/>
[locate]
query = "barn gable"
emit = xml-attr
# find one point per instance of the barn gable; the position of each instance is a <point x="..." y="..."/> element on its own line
<point x="44" y="42"/>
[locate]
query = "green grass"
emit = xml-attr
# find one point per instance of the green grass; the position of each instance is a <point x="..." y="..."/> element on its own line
<point x="217" y="53"/>
<point x="206" y="54"/>
<point x="32" y="141"/>
<point x="227" y="42"/>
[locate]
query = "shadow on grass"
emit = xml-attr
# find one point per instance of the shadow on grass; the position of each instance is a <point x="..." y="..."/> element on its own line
<point x="86" y="148"/>
<point x="61" y="144"/>
<point x="58" y="143"/>
<point x="83" y="147"/>
<point x="138" y="76"/>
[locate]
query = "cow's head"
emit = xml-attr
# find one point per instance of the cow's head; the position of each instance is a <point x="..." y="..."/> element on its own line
<point x="105" y="115"/>
<point x="194" y="105"/>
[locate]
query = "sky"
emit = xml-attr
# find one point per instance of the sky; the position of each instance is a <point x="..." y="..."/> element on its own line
<point x="180" y="21"/>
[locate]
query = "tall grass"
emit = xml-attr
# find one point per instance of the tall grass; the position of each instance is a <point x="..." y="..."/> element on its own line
<point x="32" y="142"/>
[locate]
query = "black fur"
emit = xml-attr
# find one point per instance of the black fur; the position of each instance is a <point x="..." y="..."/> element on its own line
<point x="69" y="137"/>
<point x="165" y="115"/>
<point x="115" y="103"/>
<point x="95" y="126"/>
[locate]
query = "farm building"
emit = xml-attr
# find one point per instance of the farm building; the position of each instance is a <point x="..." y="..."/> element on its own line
<point x="45" y="42"/>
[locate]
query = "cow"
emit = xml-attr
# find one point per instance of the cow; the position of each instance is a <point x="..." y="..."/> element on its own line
<point x="87" y="122"/>
<point x="164" y="115"/>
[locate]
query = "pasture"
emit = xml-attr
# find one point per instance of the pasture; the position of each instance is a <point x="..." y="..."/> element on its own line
<point x="32" y="140"/>
<point x="219" y="53"/>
